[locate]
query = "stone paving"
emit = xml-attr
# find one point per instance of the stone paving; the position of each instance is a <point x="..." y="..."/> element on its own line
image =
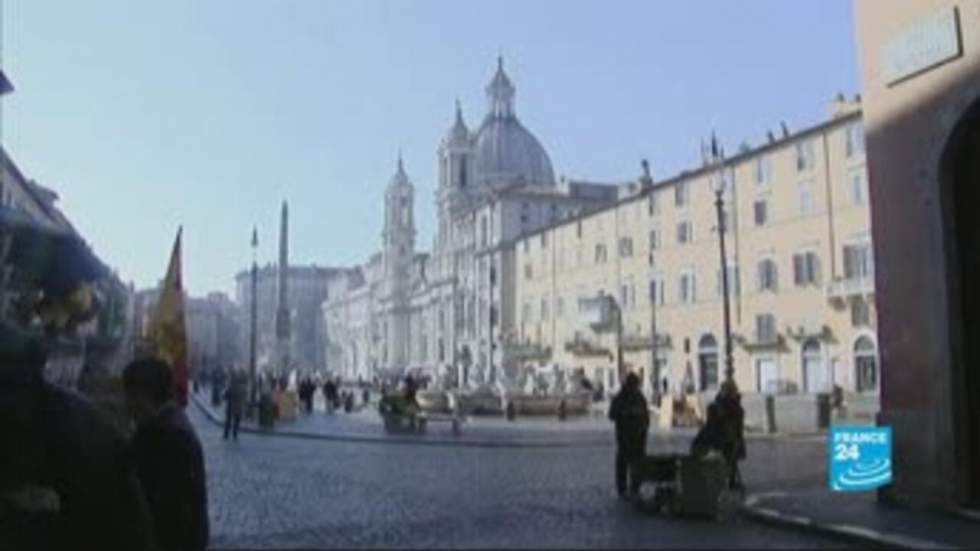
<point x="292" y="492"/>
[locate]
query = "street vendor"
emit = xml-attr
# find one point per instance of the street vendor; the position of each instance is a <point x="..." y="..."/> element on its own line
<point x="724" y="431"/>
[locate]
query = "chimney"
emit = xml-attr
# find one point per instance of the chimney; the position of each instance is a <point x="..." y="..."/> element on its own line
<point x="841" y="106"/>
<point x="785" y="129"/>
<point x="771" y="136"/>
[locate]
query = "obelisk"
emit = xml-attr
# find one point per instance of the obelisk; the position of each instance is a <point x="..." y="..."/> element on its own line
<point x="283" y="321"/>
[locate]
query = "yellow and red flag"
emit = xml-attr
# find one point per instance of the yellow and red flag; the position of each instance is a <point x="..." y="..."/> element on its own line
<point x="168" y="328"/>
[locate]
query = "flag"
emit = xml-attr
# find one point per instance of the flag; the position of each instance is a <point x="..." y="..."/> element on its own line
<point x="168" y="328"/>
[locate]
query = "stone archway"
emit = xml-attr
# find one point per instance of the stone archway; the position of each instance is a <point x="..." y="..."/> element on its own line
<point x="960" y="196"/>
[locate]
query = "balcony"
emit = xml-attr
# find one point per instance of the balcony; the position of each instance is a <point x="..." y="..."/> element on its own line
<point x="760" y="341"/>
<point x="585" y="348"/>
<point x="841" y="289"/>
<point x="636" y="341"/>
<point x="809" y="330"/>
<point x="526" y="351"/>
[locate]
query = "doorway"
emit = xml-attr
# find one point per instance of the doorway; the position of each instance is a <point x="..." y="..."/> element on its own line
<point x="961" y="195"/>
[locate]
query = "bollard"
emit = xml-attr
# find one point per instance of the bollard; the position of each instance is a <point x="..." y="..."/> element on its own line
<point x="770" y="425"/>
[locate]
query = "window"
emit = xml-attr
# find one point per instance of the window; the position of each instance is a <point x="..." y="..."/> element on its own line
<point x="806" y="197"/>
<point x="761" y="212"/>
<point x="708" y="362"/>
<point x="866" y="365"/>
<point x="860" y="313"/>
<point x="765" y="328"/>
<point x="684" y="232"/>
<point x="814" y="368"/>
<point x="624" y="296"/>
<point x="578" y="229"/>
<point x="652" y="206"/>
<point x="768" y="280"/>
<point x="805" y="158"/>
<point x="625" y="247"/>
<point x="600" y="254"/>
<point x="527" y="245"/>
<point x="681" y="194"/>
<point x="854" y="140"/>
<point x="544" y="240"/>
<point x="560" y="307"/>
<point x="806" y="269"/>
<point x="686" y="289"/>
<point x="857" y="261"/>
<point x="855" y="180"/>
<point x="763" y="170"/>
<point x="483" y="231"/>
<point x="526" y="312"/>
<point x="654" y="239"/>
<point x="528" y="271"/>
<point x="733" y="286"/>
<point x="657" y="290"/>
<point x="545" y="314"/>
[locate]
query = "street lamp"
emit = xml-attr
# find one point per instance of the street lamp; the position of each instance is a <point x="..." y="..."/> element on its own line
<point x="718" y="185"/>
<point x="254" y="316"/>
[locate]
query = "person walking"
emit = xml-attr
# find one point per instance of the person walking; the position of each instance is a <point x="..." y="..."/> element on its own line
<point x="234" y="405"/>
<point x="329" y="394"/>
<point x="629" y="412"/>
<point x="168" y="457"/>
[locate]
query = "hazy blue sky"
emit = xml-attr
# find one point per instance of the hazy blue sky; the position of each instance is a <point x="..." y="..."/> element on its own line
<point x="147" y="115"/>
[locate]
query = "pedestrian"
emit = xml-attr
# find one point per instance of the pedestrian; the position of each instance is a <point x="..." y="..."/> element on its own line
<point x="234" y="405"/>
<point x="349" y="401"/>
<point x="724" y="431"/>
<point x="366" y="396"/>
<point x="328" y="395"/>
<point x="168" y="457"/>
<point x="632" y="418"/>
<point x="66" y="481"/>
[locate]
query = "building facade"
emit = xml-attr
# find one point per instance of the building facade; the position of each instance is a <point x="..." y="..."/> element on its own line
<point x="920" y="63"/>
<point x="450" y="312"/>
<point x="307" y="290"/>
<point x="800" y="273"/>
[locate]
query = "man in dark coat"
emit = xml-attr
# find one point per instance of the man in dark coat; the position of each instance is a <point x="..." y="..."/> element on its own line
<point x="235" y="396"/>
<point x="168" y="457"/>
<point x="632" y="417"/>
<point x="65" y="477"/>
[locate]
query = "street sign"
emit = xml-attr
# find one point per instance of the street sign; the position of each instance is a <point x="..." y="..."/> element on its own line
<point x="928" y="43"/>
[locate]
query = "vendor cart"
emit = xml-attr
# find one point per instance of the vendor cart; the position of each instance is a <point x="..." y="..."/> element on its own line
<point x="685" y="485"/>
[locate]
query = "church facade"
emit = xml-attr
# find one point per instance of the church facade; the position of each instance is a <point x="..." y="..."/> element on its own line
<point x="451" y="312"/>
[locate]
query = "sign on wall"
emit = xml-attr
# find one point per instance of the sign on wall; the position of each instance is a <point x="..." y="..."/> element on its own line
<point x="923" y="46"/>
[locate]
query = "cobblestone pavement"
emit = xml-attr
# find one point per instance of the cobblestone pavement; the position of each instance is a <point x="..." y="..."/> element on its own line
<point x="287" y="492"/>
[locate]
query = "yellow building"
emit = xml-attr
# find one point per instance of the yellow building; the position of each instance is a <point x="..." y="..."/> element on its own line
<point x="799" y="255"/>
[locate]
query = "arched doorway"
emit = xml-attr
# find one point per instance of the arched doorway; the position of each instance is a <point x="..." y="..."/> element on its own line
<point x="708" y="362"/>
<point x="814" y="368"/>
<point x="865" y="365"/>
<point x="960" y="192"/>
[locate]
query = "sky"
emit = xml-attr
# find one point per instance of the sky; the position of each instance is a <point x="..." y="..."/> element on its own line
<point x="145" y="116"/>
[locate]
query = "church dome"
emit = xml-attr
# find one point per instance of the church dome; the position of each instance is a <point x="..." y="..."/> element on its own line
<point x="505" y="151"/>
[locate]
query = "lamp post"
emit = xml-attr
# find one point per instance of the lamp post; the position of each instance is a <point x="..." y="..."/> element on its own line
<point x="253" y="317"/>
<point x="718" y="157"/>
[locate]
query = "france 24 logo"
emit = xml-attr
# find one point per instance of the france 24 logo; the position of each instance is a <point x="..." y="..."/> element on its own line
<point x="860" y="458"/>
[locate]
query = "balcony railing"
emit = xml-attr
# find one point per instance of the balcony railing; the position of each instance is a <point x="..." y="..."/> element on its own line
<point x="760" y="340"/>
<point x="843" y="288"/>
<point x="582" y="347"/>
<point x="526" y="351"/>
<point x="636" y="341"/>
